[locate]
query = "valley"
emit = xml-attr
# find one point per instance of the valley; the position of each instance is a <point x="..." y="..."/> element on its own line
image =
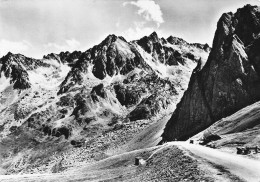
<point x="185" y="109"/>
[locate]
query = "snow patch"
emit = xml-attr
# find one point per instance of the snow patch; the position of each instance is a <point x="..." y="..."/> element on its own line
<point x="4" y="82"/>
<point x="49" y="78"/>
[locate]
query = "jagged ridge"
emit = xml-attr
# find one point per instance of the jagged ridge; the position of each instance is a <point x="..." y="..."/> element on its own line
<point x="15" y="67"/>
<point x="229" y="80"/>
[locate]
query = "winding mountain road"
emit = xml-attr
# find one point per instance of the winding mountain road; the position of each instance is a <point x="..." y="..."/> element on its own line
<point x="245" y="168"/>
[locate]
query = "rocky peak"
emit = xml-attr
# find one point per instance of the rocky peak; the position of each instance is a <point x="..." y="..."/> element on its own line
<point x="109" y="39"/>
<point x="14" y="67"/>
<point x="206" y="47"/>
<point x="247" y="24"/>
<point x="9" y="54"/>
<point x="229" y="80"/>
<point x="10" y="57"/>
<point x="113" y="56"/>
<point x="52" y="56"/>
<point x="176" y="41"/>
<point x="13" y="60"/>
<point x="163" y="40"/>
<point x="154" y="37"/>
<point x="148" y="43"/>
<point x="21" y="60"/>
<point x="244" y="23"/>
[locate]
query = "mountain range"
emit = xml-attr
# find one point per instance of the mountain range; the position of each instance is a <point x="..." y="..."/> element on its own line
<point x="76" y="108"/>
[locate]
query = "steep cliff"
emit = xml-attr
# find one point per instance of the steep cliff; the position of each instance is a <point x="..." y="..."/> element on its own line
<point x="229" y="80"/>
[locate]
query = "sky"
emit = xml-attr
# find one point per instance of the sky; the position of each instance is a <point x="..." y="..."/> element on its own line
<point x="38" y="27"/>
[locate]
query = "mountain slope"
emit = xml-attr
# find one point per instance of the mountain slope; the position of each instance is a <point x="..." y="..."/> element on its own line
<point x="103" y="97"/>
<point x="241" y="129"/>
<point x="229" y="80"/>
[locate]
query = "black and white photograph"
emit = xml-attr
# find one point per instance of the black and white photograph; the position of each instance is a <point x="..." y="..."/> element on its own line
<point x="129" y="90"/>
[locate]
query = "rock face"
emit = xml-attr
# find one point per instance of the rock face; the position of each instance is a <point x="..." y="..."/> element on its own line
<point x="127" y="96"/>
<point x="113" y="56"/>
<point x="229" y="81"/>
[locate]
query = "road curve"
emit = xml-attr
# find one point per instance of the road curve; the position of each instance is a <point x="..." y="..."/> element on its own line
<point x="244" y="168"/>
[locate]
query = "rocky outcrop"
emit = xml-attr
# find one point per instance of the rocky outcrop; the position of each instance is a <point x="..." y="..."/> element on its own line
<point x="66" y="101"/>
<point x="99" y="90"/>
<point x="57" y="132"/>
<point x="229" y="80"/>
<point x="99" y="69"/>
<point x="65" y="57"/>
<point x="70" y="57"/>
<point x="173" y="57"/>
<point x="154" y="46"/>
<point x="52" y="56"/>
<point x="149" y="107"/>
<point x="20" y="78"/>
<point x="65" y="131"/>
<point x="15" y="67"/>
<point x="176" y="41"/>
<point x="128" y="96"/>
<point x="11" y="59"/>
<point x="81" y="105"/>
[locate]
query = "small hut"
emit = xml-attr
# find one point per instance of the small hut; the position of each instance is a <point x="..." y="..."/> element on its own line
<point x="139" y="161"/>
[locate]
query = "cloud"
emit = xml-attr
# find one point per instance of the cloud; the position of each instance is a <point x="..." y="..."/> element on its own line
<point x="149" y="10"/>
<point x="73" y="43"/>
<point x="69" y="45"/>
<point x="14" y="47"/>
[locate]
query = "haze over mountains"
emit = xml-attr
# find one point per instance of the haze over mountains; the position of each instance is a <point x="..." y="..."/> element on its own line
<point x="119" y="99"/>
